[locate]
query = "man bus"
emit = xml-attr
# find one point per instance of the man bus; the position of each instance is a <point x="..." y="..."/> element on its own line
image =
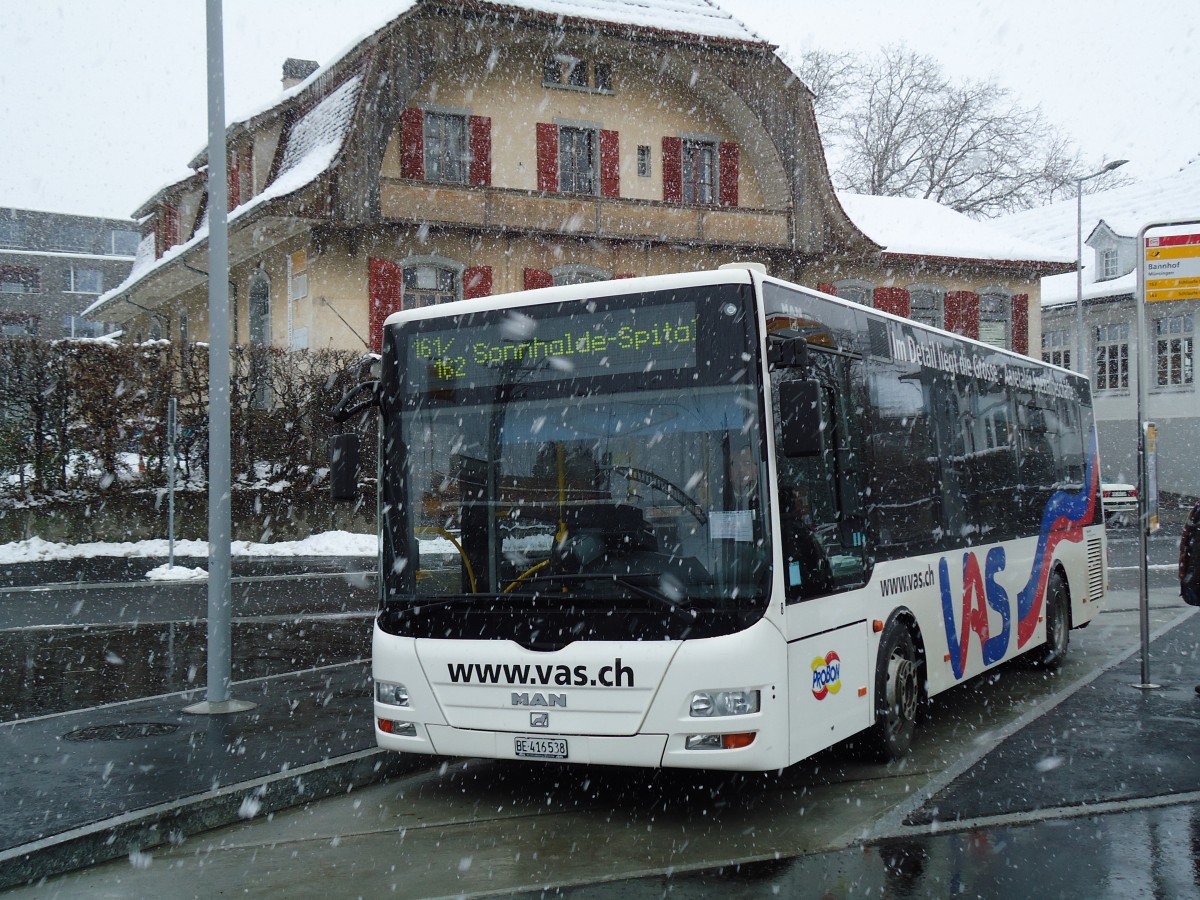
<point x="712" y="520"/>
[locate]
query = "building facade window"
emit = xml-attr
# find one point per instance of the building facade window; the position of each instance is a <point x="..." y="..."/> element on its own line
<point x="447" y="148"/>
<point x="577" y="160"/>
<point x="1109" y="263"/>
<point x="72" y="238"/>
<point x="18" y="325"/>
<point x="925" y="306"/>
<point x="699" y="172"/>
<point x="855" y="290"/>
<point x="1057" y="347"/>
<point x="995" y="319"/>
<point x="123" y="243"/>
<point x="84" y="281"/>
<point x="562" y="70"/>
<point x="259" y="313"/>
<point x="19" y="280"/>
<point x="258" y="338"/>
<point x="578" y="274"/>
<point x="643" y="161"/>
<point x="1173" y="349"/>
<point x="12" y="234"/>
<point x="1112" y="357"/>
<point x="428" y="284"/>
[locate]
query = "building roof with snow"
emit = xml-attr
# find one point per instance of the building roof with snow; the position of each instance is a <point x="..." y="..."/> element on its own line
<point x="1123" y="210"/>
<point x="924" y="228"/>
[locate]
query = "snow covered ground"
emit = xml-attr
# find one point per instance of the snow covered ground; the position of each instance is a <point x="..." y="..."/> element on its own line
<point x="330" y="543"/>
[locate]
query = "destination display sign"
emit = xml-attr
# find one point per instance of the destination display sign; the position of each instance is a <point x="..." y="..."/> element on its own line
<point x="1172" y="267"/>
<point x="563" y="342"/>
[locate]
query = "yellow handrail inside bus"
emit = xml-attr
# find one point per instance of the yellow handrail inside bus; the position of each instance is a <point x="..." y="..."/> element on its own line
<point x="526" y="574"/>
<point x="442" y="532"/>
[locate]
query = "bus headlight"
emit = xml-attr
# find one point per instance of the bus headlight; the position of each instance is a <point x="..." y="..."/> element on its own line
<point x="391" y="693"/>
<point x="708" y="704"/>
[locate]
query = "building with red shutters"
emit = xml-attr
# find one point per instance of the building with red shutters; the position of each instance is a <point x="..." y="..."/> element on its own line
<point x="469" y="147"/>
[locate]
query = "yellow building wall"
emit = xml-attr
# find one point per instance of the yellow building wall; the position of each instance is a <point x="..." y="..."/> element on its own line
<point x="643" y="108"/>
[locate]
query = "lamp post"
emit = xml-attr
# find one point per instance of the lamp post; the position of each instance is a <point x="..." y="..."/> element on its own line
<point x="1080" y="340"/>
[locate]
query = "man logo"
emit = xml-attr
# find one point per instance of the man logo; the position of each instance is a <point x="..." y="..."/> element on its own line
<point x="536" y="699"/>
<point x="539" y="720"/>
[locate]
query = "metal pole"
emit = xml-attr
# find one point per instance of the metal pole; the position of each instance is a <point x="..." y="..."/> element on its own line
<point x="171" y="405"/>
<point x="220" y="603"/>
<point x="1143" y="476"/>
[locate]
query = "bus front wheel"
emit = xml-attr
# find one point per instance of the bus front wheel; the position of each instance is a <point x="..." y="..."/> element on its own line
<point x="897" y="694"/>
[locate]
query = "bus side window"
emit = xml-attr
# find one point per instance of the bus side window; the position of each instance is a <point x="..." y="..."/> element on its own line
<point x="822" y="526"/>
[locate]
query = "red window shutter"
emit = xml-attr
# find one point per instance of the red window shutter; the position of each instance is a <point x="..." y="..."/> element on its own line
<point x="477" y="282"/>
<point x="166" y="232"/>
<point x="233" y="194"/>
<point x="727" y="171"/>
<point x="547" y="157"/>
<point x="481" y="149"/>
<point x="385" y="292"/>
<point x="826" y="288"/>
<point x="672" y="169"/>
<point x="962" y="313"/>
<point x="1020" y="323"/>
<point x="412" y="143"/>
<point x="538" y="278"/>
<point x="610" y="164"/>
<point x="893" y="300"/>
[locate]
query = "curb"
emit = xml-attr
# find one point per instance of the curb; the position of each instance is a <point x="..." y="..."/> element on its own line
<point x="144" y="829"/>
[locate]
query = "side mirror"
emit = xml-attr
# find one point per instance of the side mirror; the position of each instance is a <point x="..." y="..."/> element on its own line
<point x="346" y="407"/>
<point x="802" y="412"/>
<point x="343" y="467"/>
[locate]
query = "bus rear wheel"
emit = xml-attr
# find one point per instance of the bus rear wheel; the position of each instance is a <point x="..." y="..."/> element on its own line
<point x="1058" y="626"/>
<point x="897" y="694"/>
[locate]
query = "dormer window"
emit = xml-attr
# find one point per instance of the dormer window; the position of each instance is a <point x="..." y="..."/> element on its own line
<point x="562" y="70"/>
<point x="1109" y="263"/>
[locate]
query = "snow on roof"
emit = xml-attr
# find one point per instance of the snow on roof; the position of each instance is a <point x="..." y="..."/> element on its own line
<point x="914" y="227"/>
<point x="698" y="17"/>
<point x="313" y="143"/>
<point x="1126" y="209"/>
<point x="1059" y="289"/>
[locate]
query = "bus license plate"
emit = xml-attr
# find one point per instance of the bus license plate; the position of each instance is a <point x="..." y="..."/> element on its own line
<point x="541" y="748"/>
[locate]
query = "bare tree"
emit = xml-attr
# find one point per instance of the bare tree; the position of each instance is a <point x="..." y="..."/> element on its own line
<point x="895" y="125"/>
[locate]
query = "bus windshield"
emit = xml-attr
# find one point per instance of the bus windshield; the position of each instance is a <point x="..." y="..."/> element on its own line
<point x="576" y="471"/>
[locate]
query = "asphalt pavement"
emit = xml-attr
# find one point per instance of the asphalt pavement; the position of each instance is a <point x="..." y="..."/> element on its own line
<point x="116" y="780"/>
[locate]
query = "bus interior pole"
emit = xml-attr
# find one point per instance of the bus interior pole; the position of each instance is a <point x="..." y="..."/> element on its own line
<point x="220" y="601"/>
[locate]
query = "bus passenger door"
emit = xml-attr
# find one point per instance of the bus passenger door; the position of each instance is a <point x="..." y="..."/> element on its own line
<point x="822" y="521"/>
<point x="819" y="435"/>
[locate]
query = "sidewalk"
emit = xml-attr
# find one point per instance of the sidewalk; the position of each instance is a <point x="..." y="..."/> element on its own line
<point x="70" y="778"/>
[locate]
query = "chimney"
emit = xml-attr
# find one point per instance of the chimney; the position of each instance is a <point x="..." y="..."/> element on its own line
<point x="296" y="70"/>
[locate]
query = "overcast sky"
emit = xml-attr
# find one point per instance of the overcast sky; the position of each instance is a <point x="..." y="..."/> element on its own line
<point x="104" y="102"/>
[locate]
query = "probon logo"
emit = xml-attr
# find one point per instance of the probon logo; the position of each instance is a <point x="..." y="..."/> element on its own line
<point x="827" y="675"/>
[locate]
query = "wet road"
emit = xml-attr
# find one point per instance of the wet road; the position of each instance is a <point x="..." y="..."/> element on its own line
<point x="831" y="826"/>
<point x="71" y="645"/>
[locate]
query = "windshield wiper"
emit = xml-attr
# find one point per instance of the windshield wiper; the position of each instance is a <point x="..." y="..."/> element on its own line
<point x="676" y="599"/>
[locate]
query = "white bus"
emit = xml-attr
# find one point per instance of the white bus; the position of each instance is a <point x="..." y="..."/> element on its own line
<point x="712" y="520"/>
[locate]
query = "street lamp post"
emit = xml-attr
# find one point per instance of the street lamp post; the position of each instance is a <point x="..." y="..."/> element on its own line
<point x="1080" y="340"/>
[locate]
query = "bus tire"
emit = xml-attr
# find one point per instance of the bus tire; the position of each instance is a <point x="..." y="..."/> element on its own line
<point x="1058" y="626"/>
<point x="897" y="694"/>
